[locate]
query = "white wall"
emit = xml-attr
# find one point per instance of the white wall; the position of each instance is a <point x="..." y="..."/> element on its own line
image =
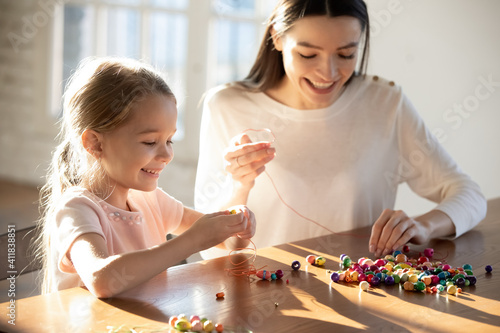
<point x="441" y="52"/>
<point x="438" y="50"/>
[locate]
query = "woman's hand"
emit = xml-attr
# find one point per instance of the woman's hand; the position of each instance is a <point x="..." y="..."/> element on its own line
<point x="394" y="229"/>
<point x="246" y="160"/>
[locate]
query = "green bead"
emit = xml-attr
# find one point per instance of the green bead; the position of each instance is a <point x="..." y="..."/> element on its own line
<point x="467" y="266"/>
<point x="440" y="287"/>
<point x="437" y="271"/>
<point x="469" y="272"/>
<point x="458" y="276"/>
<point x="419" y="285"/>
<point x="396" y="277"/>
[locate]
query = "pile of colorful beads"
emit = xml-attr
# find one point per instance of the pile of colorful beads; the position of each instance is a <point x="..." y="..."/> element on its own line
<point x="414" y="274"/>
<point x="194" y="324"/>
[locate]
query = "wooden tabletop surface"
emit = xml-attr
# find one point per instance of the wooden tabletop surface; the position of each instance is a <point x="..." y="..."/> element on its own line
<point x="310" y="302"/>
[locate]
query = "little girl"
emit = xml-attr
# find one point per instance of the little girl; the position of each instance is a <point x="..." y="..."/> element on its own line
<point x="105" y="220"/>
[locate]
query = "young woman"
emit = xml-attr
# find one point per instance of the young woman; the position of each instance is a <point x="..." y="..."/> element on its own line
<point x="341" y="141"/>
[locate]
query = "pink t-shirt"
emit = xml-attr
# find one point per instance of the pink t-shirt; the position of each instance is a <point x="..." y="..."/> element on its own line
<point x="153" y="215"/>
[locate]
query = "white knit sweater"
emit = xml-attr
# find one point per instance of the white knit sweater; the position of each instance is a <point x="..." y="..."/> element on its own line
<point x="339" y="166"/>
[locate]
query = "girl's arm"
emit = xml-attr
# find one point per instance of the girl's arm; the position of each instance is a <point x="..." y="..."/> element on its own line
<point x="106" y="276"/>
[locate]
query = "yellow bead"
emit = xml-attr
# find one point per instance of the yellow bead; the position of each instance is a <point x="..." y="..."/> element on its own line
<point x="452" y="289"/>
<point x="413" y="278"/>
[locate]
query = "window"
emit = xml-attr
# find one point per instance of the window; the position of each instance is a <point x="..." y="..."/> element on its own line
<point x="198" y="44"/>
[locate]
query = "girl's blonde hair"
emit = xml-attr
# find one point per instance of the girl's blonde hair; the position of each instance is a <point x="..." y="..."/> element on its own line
<point x="99" y="96"/>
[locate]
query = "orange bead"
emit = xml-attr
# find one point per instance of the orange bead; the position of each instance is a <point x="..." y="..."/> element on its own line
<point x="219" y="327"/>
<point x="172" y="321"/>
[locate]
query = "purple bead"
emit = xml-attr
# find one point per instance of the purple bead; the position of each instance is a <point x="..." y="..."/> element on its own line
<point x="279" y="274"/>
<point x="472" y="279"/>
<point x="335" y="277"/>
<point x="389" y="280"/>
<point x="295" y="265"/>
<point x="488" y="268"/>
<point x="460" y="282"/>
<point x="376" y="281"/>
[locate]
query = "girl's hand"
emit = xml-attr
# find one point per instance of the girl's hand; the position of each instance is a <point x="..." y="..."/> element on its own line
<point x="249" y="231"/>
<point x="213" y="229"/>
<point x="246" y="160"/>
<point x="393" y="229"/>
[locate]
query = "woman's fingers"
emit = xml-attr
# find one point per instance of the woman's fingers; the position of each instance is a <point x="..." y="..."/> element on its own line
<point x="391" y="230"/>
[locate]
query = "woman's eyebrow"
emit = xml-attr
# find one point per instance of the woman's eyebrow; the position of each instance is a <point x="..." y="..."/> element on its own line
<point x="347" y="46"/>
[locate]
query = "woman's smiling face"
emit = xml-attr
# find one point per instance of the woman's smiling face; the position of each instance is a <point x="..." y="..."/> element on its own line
<point x="319" y="56"/>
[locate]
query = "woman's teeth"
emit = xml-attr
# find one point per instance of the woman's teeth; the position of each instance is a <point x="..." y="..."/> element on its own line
<point x="319" y="85"/>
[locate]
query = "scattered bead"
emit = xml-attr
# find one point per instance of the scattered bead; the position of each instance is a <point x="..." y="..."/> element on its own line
<point x="429" y="252"/>
<point x="452" y="289"/>
<point x="295" y="265"/>
<point x="219" y="327"/>
<point x="276" y="304"/>
<point x="364" y="285"/>
<point x="320" y="261"/>
<point x="335" y="277"/>
<point x="406" y="249"/>
<point x="220" y="295"/>
<point x="196" y="326"/>
<point x="208" y="326"/>
<point x="182" y="324"/>
<point x="488" y="269"/>
<point x="311" y="259"/>
<point x="172" y="321"/>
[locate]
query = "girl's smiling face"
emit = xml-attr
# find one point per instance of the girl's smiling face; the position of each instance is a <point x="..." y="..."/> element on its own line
<point x="135" y="153"/>
<point x="319" y="56"/>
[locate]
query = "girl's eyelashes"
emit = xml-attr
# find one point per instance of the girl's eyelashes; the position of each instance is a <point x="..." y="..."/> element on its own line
<point x="152" y="143"/>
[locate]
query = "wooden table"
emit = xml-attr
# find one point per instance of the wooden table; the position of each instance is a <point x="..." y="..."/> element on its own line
<point x="310" y="302"/>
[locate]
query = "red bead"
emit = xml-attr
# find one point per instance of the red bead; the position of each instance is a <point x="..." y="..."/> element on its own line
<point x="422" y="259"/>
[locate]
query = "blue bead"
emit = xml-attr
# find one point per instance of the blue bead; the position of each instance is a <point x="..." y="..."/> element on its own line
<point x="396" y="253"/>
<point x="335" y="277"/>
<point x="488" y="268"/>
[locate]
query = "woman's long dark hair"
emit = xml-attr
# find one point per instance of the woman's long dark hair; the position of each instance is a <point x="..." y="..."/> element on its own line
<point x="268" y="68"/>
